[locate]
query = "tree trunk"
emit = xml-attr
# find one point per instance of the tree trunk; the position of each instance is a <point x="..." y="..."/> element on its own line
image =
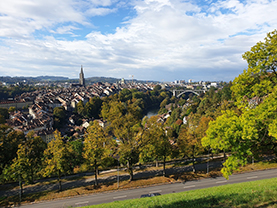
<point x="193" y="165"/>
<point x="32" y="175"/>
<point x="157" y="163"/>
<point x="193" y="160"/>
<point x="59" y="180"/>
<point x="21" y="189"/>
<point x="130" y="170"/>
<point x="164" y="166"/>
<point x="95" y="172"/>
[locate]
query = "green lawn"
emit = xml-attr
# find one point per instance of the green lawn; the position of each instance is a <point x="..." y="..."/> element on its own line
<point x="262" y="193"/>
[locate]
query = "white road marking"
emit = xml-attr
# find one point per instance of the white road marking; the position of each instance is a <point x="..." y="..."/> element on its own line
<point x="155" y="191"/>
<point x="118" y="197"/>
<point x="78" y="203"/>
<point x="252" y="177"/>
<point x="189" y="186"/>
<point x="221" y="182"/>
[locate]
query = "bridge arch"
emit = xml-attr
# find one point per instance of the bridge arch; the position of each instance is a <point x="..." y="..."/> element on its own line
<point x="185" y="91"/>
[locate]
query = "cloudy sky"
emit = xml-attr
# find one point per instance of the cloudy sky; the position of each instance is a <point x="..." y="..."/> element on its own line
<point x="163" y="40"/>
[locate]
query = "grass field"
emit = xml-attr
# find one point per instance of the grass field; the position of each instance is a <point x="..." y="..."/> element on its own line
<point x="261" y="193"/>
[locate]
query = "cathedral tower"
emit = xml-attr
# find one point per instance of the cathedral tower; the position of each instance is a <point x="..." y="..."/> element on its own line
<point x="81" y="77"/>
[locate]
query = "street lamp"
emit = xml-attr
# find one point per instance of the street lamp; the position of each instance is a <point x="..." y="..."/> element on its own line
<point x="208" y="160"/>
<point x="118" y="173"/>
<point x="117" y="157"/>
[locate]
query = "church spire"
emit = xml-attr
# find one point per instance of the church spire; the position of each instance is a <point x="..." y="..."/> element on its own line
<point x="82" y="77"/>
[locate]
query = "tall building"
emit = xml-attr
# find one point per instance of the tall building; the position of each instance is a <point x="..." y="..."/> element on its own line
<point x="82" y="77"/>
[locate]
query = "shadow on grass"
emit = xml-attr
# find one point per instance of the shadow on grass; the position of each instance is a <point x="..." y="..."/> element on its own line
<point x="221" y="201"/>
<point x="94" y="187"/>
<point x="269" y="204"/>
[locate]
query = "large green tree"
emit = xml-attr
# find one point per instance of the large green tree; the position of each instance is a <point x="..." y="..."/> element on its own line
<point x="98" y="147"/>
<point x="124" y="122"/>
<point x="250" y="131"/>
<point x="156" y="143"/>
<point x="20" y="169"/>
<point x="34" y="148"/>
<point x="93" y="107"/>
<point x="9" y="141"/>
<point x="56" y="160"/>
<point x="59" y="114"/>
<point x="189" y="140"/>
<point x="261" y="76"/>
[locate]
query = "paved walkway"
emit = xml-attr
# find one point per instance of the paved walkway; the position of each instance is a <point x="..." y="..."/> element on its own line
<point x="113" y="178"/>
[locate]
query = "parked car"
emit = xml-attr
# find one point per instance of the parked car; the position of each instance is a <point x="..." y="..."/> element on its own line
<point x="149" y="195"/>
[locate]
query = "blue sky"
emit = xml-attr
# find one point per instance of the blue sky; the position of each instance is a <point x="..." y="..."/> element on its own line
<point x="163" y="40"/>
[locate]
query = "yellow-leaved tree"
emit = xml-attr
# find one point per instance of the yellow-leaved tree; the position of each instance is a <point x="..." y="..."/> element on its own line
<point x="57" y="159"/>
<point x="98" y="146"/>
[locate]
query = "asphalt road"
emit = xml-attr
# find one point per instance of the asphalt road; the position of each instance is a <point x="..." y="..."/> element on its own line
<point x="162" y="189"/>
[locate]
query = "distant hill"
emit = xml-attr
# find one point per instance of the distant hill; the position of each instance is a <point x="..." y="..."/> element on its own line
<point x="101" y="79"/>
<point x="90" y="80"/>
<point x="51" y="78"/>
<point x="13" y="80"/>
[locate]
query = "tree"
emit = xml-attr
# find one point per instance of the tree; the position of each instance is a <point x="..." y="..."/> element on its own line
<point x="125" y="95"/>
<point x="157" y="88"/>
<point x="56" y="158"/>
<point x="9" y="141"/>
<point x="97" y="147"/>
<point x="4" y="114"/>
<point x="260" y="77"/>
<point x="125" y="125"/>
<point x="250" y="131"/>
<point x="12" y="109"/>
<point x="156" y="142"/>
<point x="59" y="116"/>
<point x="247" y="135"/>
<point x="20" y="168"/>
<point x="2" y="119"/>
<point x="189" y="140"/>
<point x="93" y="107"/>
<point x="35" y="147"/>
<point x="80" y="108"/>
<point x="77" y="147"/>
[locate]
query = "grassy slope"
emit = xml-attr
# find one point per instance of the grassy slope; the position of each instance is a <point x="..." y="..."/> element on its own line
<point x="262" y="193"/>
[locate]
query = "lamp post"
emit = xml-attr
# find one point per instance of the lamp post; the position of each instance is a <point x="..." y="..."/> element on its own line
<point x="117" y="157"/>
<point x="208" y="160"/>
<point x="20" y="188"/>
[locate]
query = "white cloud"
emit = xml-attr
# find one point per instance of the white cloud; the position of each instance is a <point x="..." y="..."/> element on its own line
<point x="23" y="17"/>
<point x="100" y="11"/>
<point x="65" y="29"/>
<point x="103" y="2"/>
<point x="167" y="39"/>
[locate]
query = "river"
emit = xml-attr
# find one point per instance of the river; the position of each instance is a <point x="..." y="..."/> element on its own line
<point x="152" y="112"/>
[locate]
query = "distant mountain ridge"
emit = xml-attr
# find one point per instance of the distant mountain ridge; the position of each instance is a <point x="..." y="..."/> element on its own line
<point x="89" y="80"/>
